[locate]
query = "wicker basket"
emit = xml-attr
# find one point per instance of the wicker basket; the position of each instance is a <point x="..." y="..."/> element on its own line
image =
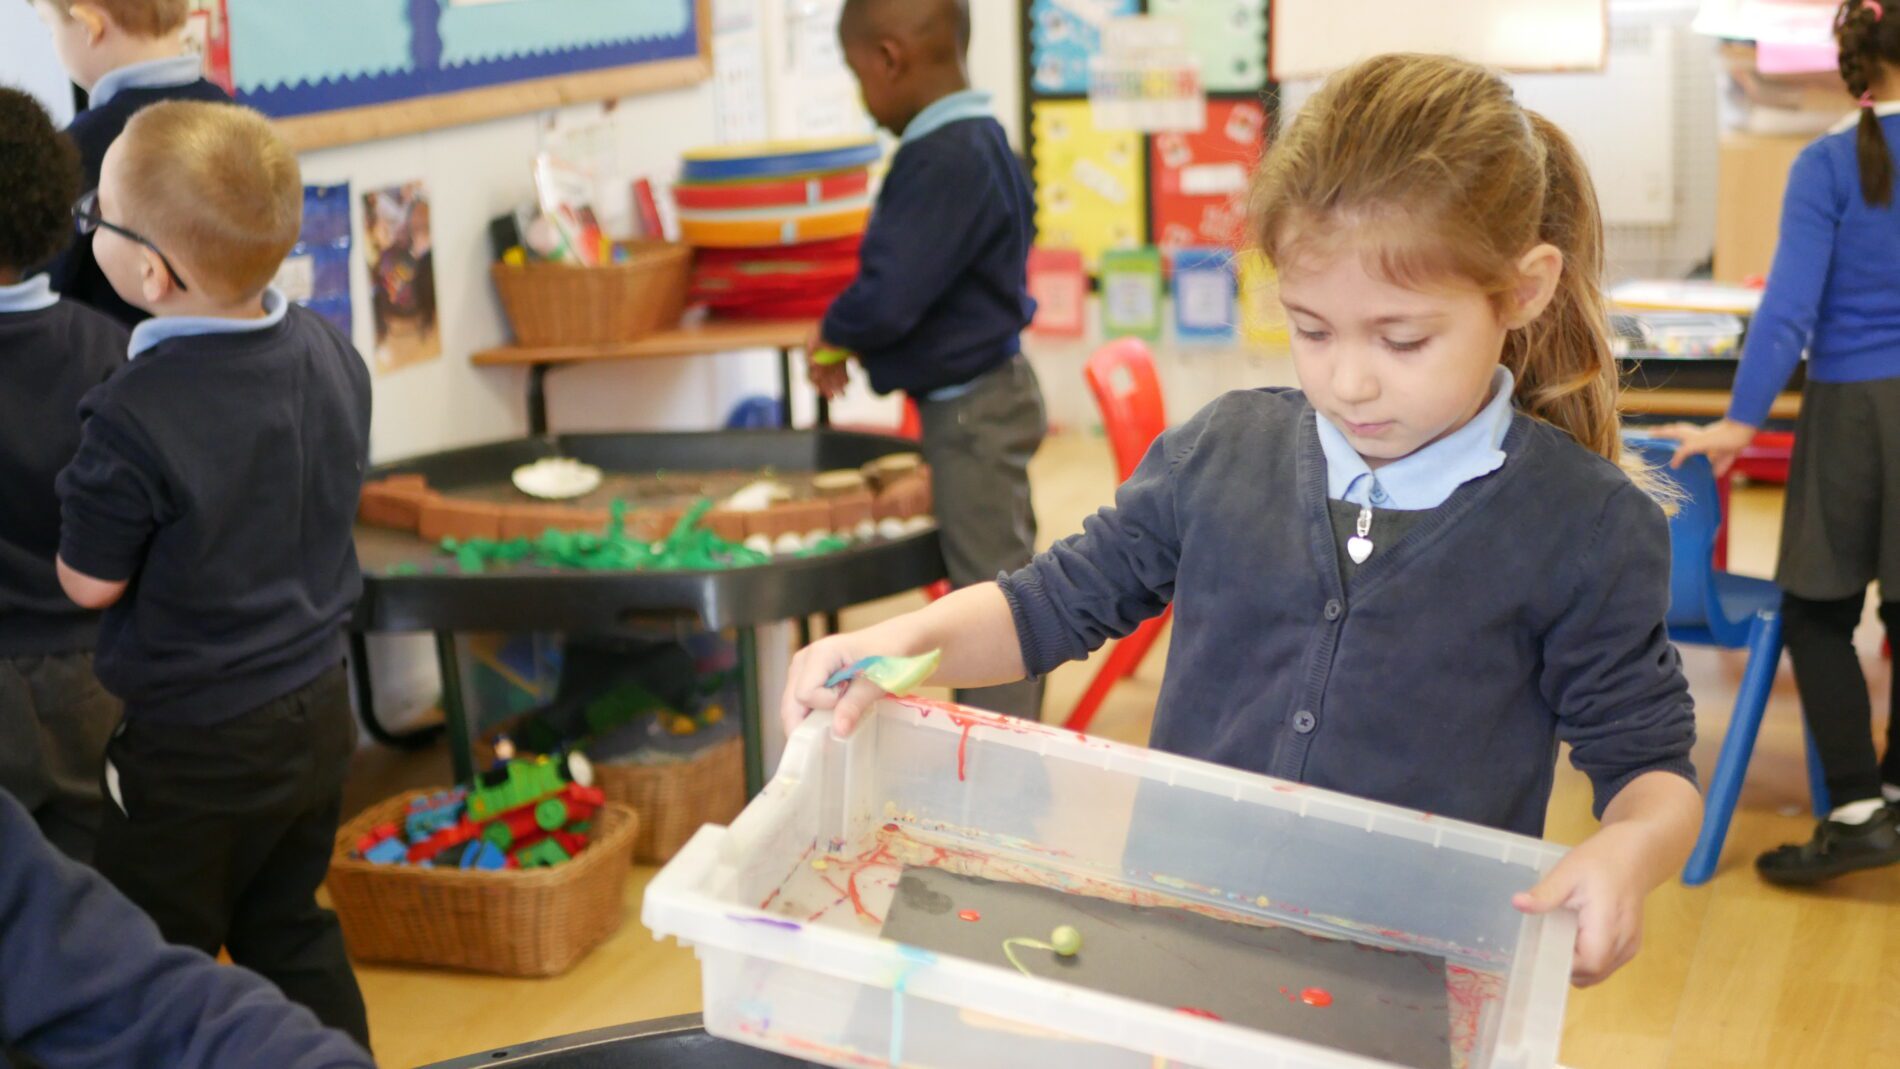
<point x="674" y="800"/>
<point x="563" y="304"/>
<point x="534" y="923"/>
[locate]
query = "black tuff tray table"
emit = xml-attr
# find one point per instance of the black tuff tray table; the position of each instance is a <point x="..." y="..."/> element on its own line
<point x="434" y="595"/>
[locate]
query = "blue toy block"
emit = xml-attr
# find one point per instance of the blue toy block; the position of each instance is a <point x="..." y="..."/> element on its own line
<point x="484" y="855"/>
<point x="388" y="852"/>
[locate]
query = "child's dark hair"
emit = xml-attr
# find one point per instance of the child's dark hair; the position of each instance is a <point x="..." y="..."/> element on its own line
<point x="944" y="23"/>
<point x="39" y="180"/>
<point x="1868" y="44"/>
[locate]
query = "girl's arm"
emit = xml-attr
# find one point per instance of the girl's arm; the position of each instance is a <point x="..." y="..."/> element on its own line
<point x="1784" y="324"/>
<point x="973" y="627"/>
<point x="1647" y="832"/>
<point x="1623" y="705"/>
<point x="1078" y="594"/>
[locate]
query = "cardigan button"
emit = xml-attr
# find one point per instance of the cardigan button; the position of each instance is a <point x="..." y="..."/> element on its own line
<point x="1304" y="721"/>
<point x="1334" y="609"/>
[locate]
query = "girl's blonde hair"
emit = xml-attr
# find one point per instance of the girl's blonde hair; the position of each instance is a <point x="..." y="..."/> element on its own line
<point x="1436" y="157"/>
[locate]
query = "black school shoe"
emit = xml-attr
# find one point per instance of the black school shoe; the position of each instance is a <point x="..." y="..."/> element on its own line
<point x="1835" y="850"/>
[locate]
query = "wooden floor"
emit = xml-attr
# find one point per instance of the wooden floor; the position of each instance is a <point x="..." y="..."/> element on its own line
<point x="1734" y="973"/>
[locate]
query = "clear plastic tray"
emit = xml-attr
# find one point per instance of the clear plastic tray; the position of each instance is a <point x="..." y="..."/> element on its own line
<point x="784" y="907"/>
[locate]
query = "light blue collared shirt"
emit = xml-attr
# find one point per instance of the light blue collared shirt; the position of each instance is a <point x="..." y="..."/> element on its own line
<point x="29" y="296"/>
<point x="165" y="328"/>
<point x="941" y="112"/>
<point x="1426" y="478"/>
<point x="151" y="74"/>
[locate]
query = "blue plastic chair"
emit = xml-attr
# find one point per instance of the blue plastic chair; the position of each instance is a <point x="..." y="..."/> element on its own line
<point x="756" y="413"/>
<point x="1716" y="608"/>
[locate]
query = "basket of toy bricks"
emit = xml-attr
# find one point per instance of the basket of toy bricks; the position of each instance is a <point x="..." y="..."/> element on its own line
<point x="649" y="712"/>
<point x="520" y="874"/>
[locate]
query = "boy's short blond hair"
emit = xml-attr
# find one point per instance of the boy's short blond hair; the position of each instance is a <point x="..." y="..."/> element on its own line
<point x="140" y="18"/>
<point x="215" y="187"/>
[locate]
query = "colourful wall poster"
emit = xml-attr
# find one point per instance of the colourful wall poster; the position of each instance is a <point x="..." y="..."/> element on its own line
<point x="1200" y="179"/>
<point x="1089" y="187"/>
<point x="1064" y="35"/>
<point x="1131" y="293"/>
<point x="1204" y="309"/>
<point x="316" y="274"/>
<point x="401" y="251"/>
<point x="1061" y="288"/>
<point x="1228" y="36"/>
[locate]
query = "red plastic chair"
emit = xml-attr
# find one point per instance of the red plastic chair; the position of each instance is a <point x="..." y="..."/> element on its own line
<point x="1122" y="376"/>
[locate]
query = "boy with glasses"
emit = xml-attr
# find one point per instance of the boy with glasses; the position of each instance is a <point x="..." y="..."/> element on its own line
<point x="209" y="512"/>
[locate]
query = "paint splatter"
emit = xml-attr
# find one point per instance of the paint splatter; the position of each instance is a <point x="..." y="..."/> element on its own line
<point x="1317" y="996"/>
<point x="767" y="922"/>
<point x="969" y="915"/>
<point x="820" y="864"/>
<point x="1196" y="1011"/>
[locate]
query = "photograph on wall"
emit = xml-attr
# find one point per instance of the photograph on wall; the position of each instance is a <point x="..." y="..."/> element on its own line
<point x="401" y="257"/>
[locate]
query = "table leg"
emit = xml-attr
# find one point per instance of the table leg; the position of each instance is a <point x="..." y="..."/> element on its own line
<point x="461" y="741"/>
<point x="366" y="703"/>
<point x="537" y="399"/>
<point x="785" y="387"/>
<point x="751" y="711"/>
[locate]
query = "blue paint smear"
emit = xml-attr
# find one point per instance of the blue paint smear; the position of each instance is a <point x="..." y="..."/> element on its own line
<point x="767" y="922"/>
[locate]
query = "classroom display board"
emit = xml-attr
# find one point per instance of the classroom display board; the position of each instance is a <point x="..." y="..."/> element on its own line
<point x="1144" y="121"/>
<point x="1111" y="176"/>
<point x="353" y="70"/>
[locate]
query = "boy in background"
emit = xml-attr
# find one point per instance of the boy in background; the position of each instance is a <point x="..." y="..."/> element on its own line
<point x="209" y="512"/>
<point x="125" y="54"/>
<point x="54" y="716"/>
<point x="942" y="294"/>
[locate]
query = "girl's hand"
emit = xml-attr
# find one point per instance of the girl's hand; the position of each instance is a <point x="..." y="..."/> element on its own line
<point x="1721" y="441"/>
<point x="805" y="690"/>
<point x="1599" y="879"/>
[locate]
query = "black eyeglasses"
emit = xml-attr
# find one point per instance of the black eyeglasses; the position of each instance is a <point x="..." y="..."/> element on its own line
<point x="87" y="219"/>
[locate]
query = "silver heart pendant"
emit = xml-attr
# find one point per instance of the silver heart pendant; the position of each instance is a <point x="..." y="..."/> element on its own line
<point x="1358" y="549"/>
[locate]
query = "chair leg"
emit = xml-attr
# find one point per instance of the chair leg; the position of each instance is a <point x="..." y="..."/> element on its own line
<point x="1122" y="661"/>
<point x="1817" y="776"/>
<point x="1731" y="765"/>
<point x="1143" y="640"/>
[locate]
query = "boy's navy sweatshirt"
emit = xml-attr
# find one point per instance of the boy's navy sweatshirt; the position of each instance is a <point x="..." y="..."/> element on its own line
<point x="219" y="473"/>
<point x="1526" y="609"/>
<point x="51" y="353"/>
<point x="86" y="981"/>
<point x="75" y="273"/>
<point x="942" y="291"/>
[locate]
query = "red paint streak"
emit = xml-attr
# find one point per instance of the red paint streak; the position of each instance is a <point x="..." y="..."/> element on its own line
<point x="1317" y="996"/>
<point x="882" y="855"/>
<point x="890" y="828"/>
<point x="1080" y="737"/>
<point x="963" y="748"/>
<point x="1196" y="1011"/>
<point x="771" y="897"/>
<point x="969" y="915"/>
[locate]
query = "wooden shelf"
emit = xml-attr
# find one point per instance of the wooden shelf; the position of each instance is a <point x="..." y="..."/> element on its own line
<point x="702" y="338"/>
<point x="1712" y="404"/>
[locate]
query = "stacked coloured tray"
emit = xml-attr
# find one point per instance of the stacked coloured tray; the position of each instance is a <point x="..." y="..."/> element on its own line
<point x="776" y="225"/>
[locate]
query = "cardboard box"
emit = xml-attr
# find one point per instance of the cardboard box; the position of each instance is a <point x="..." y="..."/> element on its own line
<point x="1752" y="175"/>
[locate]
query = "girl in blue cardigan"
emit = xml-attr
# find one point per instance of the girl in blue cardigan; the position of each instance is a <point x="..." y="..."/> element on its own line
<point x="1414" y="577"/>
<point x="1834" y="291"/>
